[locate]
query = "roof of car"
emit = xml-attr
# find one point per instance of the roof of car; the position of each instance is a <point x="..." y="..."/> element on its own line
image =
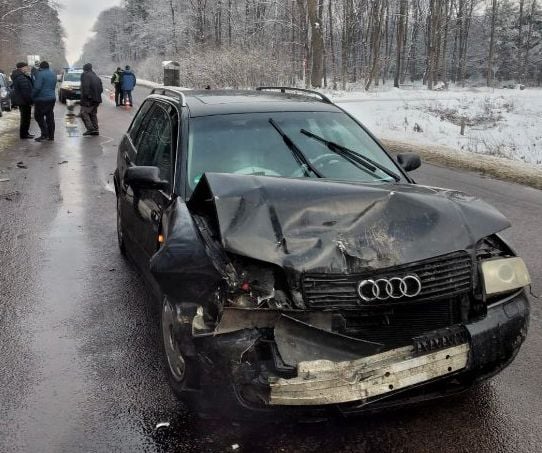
<point x="220" y="102"/>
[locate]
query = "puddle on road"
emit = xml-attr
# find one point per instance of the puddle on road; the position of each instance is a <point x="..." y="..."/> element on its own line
<point x="70" y="120"/>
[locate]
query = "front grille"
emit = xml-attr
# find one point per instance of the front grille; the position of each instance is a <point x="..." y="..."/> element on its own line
<point x="441" y="277"/>
<point x="397" y="326"/>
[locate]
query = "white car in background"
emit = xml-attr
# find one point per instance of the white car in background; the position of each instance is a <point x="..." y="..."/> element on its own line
<point x="70" y="85"/>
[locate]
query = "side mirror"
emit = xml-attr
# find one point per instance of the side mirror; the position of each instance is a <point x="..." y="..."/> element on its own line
<point x="146" y="178"/>
<point x="409" y="161"/>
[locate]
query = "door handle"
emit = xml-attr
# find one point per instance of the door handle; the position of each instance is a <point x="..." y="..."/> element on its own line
<point x="154" y="216"/>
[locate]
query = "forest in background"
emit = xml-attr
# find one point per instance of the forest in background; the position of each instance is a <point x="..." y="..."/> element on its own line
<point x="30" y="27"/>
<point x="331" y="43"/>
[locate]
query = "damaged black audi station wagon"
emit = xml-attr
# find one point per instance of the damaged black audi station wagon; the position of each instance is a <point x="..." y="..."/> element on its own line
<point x="297" y="264"/>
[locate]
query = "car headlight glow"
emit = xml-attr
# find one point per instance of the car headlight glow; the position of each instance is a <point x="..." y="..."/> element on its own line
<point x="504" y="274"/>
<point x="3" y="92"/>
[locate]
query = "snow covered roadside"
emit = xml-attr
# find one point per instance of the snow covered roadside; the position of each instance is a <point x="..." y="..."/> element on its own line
<point x="148" y="84"/>
<point x="498" y="122"/>
<point x="502" y="136"/>
<point x="496" y="167"/>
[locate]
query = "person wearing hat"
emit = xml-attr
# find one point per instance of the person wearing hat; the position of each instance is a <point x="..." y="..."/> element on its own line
<point x="91" y="98"/>
<point x="128" y="83"/>
<point x="116" y="80"/>
<point x="44" y="97"/>
<point x="22" y="97"/>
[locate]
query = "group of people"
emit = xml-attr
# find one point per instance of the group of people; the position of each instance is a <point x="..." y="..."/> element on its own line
<point x="38" y="90"/>
<point x="36" y="87"/>
<point x="124" y="82"/>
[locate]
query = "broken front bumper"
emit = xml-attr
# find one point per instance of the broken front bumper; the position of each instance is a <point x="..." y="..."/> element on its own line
<point x="325" y="382"/>
<point x="356" y="382"/>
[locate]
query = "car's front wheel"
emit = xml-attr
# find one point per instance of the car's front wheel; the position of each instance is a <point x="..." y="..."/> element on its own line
<point x="181" y="370"/>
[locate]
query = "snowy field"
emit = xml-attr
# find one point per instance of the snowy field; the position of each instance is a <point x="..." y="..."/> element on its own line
<point x="498" y="122"/>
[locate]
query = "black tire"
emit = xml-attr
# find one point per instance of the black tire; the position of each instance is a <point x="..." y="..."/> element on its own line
<point x="182" y="372"/>
<point x="61" y="98"/>
<point x="10" y="106"/>
<point x="120" y="233"/>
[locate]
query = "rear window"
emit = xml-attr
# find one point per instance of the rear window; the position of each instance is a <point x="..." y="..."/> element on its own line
<point x="72" y="77"/>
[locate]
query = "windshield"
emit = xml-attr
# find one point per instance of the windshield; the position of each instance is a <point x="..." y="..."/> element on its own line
<point x="249" y="144"/>
<point x="72" y="77"/>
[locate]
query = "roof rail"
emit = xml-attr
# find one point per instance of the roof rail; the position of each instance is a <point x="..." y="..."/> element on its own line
<point x="171" y="92"/>
<point x="323" y="97"/>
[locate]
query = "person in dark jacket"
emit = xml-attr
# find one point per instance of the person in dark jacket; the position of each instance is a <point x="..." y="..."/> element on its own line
<point x="44" y="96"/>
<point x="21" y="96"/>
<point x="128" y="83"/>
<point x="116" y="80"/>
<point x="91" y="98"/>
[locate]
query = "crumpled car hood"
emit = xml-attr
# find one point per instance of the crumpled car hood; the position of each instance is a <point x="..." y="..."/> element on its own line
<point x="326" y="226"/>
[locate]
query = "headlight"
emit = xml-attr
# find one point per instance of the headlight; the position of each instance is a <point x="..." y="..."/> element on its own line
<point x="3" y="92"/>
<point x="506" y="274"/>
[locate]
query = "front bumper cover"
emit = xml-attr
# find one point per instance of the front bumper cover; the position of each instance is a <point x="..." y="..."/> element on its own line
<point x="71" y="94"/>
<point x="368" y="383"/>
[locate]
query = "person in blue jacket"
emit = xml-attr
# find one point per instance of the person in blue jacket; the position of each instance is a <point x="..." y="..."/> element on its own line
<point x="44" y="97"/>
<point x="127" y="84"/>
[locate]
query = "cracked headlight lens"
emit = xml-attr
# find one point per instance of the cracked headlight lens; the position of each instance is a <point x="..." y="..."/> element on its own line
<point x="505" y="274"/>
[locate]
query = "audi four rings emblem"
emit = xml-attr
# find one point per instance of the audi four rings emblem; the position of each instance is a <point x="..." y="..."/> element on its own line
<point x="389" y="288"/>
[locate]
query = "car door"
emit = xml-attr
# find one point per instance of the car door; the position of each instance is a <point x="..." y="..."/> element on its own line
<point x="127" y="158"/>
<point x="155" y="147"/>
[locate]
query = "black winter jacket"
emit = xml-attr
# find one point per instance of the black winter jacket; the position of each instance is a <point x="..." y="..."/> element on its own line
<point x="22" y="88"/>
<point x="91" y="89"/>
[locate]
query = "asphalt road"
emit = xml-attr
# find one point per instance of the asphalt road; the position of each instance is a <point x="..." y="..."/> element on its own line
<point x="80" y="366"/>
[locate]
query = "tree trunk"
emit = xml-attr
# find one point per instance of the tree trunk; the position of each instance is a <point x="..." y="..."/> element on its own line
<point x="400" y="41"/>
<point x="331" y="45"/>
<point x="520" y="41"/>
<point x="317" y="44"/>
<point x="376" y="37"/>
<point x="529" y="37"/>
<point x="489" y="74"/>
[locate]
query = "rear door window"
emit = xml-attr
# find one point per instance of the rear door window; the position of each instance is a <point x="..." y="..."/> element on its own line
<point x="155" y="143"/>
<point x="138" y="125"/>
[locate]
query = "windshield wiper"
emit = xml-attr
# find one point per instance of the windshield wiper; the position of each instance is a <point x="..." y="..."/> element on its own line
<point x="352" y="156"/>
<point x="298" y="154"/>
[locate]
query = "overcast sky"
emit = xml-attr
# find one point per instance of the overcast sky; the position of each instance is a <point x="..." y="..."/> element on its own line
<point x="77" y="17"/>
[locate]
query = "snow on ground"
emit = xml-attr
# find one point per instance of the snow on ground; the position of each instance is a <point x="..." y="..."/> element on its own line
<point x="498" y="122"/>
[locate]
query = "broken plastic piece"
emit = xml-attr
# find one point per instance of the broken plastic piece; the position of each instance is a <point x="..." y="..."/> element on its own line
<point x="328" y="382"/>
<point x="162" y="425"/>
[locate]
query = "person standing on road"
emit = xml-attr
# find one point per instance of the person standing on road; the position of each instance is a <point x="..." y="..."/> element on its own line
<point x="34" y="71"/>
<point x="22" y="97"/>
<point x="44" y="96"/>
<point x="116" y="80"/>
<point x="128" y="83"/>
<point x="91" y="98"/>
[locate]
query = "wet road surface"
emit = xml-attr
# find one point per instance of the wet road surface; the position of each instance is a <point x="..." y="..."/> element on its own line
<point x="81" y="365"/>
